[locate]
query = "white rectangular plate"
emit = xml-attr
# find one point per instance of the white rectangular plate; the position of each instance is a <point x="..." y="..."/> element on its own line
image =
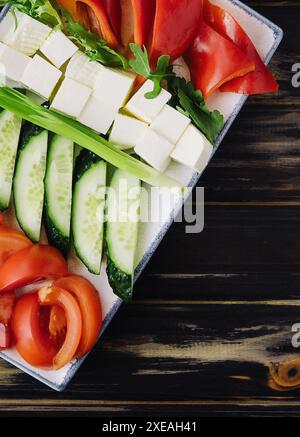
<point x="266" y="37"/>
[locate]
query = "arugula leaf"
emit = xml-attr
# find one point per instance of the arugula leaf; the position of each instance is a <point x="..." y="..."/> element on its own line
<point x="141" y="65"/>
<point x="95" y="48"/>
<point x="192" y="104"/>
<point x="41" y="10"/>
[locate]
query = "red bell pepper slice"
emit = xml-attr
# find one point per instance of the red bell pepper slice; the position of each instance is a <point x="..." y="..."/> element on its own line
<point x="114" y="13"/>
<point x="143" y="12"/>
<point x="175" y="27"/>
<point x="71" y="7"/>
<point x="213" y="60"/>
<point x="260" y="80"/>
<point x="93" y="15"/>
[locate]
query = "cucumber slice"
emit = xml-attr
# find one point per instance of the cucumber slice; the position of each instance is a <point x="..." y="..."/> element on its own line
<point x="58" y="192"/>
<point x="28" y="185"/>
<point x="10" y="128"/>
<point x="123" y="210"/>
<point x="88" y="209"/>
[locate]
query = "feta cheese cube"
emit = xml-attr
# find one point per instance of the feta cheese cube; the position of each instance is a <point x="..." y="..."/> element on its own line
<point x="8" y="23"/>
<point x="41" y="77"/>
<point x="98" y="115"/>
<point x="12" y="65"/>
<point x="58" y="48"/>
<point x="170" y="124"/>
<point x="71" y="98"/>
<point x="127" y="131"/>
<point x="193" y="149"/>
<point x="155" y="150"/>
<point x="147" y="109"/>
<point x="114" y="86"/>
<point x="23" y="33"/>
<point x="83" y="70"/>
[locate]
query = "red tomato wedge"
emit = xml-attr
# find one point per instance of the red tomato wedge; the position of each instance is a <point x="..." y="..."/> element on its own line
<point x="1" y="219"/>
<point x="175" y="27"/>
<point x="30" y="330"/>
<point x="7" y="301"/>
<point x="57" y="296"/>
<point x="91" y="310"/>
<point x="213" y="60"/>
<point x="261" y="79"/>
<point x="11" y="241"/>
<point x="143" y="12"/>
<point x="114" y="13"/>
<point x="31" y="264"/>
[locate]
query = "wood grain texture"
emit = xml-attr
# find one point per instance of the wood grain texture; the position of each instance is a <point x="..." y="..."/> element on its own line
<point x="209" y="332"/>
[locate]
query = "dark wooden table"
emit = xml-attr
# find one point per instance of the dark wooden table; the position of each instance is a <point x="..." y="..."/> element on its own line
<point x="210" y="329"/>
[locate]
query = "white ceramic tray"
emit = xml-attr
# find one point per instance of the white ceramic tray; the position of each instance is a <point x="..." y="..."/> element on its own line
<point x="266" y="37"/>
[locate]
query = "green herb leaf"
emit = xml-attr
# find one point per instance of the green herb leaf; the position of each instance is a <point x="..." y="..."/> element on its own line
<point x="41" y="10"/>
<point x="141" y="66"/>
<point x="24" y="107"/>
<point x="94" y="47"/>
<point x="192" y="104"/>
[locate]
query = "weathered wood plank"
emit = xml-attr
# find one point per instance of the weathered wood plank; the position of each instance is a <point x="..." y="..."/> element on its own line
<point x="213" y="351"/>
<point x="253" y="286"/>
<point x="235" y="240"/>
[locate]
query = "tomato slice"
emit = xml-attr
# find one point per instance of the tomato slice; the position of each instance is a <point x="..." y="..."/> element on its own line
<point x="91" y="310"/>
<point x="29" y="326"/>
<point x="7" y="301"/>
<point x="57" y="296"/>
<point x="11" y="241"/>
<point x="31" y="264"/>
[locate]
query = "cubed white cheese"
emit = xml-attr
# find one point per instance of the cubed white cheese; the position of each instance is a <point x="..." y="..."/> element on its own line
<point x="12" y="65"/>
<point x="9" y="23"/>
<point x="127" y="131"/>
<point x="58" y="48"/>
<point x="41" y="77"/>
<point x="155" y="150"/>
<point x="98" y="115"/>
<point x="114" y="86"/>
<point x="147" y="109"/>
<point x="83" y="70"/>
<point x="71" y="98"/>
<point x="170" y="124"/>
<point x="24" y="33"/>
<point x="193" y="149"/>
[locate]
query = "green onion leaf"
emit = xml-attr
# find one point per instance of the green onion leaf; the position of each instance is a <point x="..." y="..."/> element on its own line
<point x="22" y="106"/>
